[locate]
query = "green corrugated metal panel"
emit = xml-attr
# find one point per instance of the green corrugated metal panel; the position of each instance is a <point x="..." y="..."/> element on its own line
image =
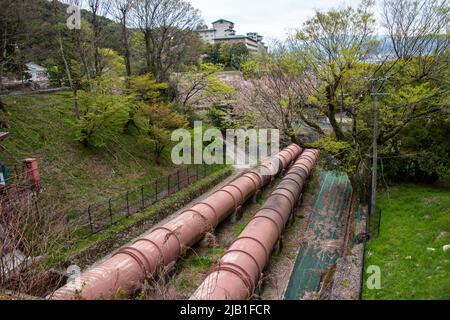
<point x="321" y="249"/>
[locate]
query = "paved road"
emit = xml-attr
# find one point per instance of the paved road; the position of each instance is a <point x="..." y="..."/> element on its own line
<point x="26" y="92"/>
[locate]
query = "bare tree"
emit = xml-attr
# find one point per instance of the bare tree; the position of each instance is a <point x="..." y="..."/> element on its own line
<point x="279" y="93"/>
<point x="417" y="30"/>
<point x="28" y="234"/>
<point x="165" y="25"/>
<point x="121" y="11"/>
<point x="99" y="9"/>
<point x="59" y="38"/>
<point x="81" y="37"/>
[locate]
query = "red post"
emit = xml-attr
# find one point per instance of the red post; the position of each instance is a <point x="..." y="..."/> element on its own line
<point x="32" y="169"/>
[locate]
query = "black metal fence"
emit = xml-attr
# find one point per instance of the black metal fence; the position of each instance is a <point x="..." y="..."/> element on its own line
<point x="373" y="221"/>
<point x="374" y="224"/>
<point x="373" y="229"/>
<point x="99" y="217"/>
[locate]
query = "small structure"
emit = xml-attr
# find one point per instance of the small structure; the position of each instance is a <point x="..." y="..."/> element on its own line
<point x="38" y="76"/>
<point x="3" y="135"/>
<point x="32" y="171"/>
<point x="34" y="75"/>
<point x="223" y="32"/>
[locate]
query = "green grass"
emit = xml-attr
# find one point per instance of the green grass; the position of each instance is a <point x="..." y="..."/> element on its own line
<point x="414" y="219"/>
<point x="76" y="176"/>
<point x="238" y="228"/>
<point x="202" y="262"/>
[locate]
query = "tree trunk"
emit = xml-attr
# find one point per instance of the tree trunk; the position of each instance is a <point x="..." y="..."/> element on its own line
<point x="148" y="52"/>
<point x="331" y="113"/>
<point x="83" y="56"/>
<point x="95" y="44"/>
<point x="126" y="44"/>
<point x="361" y="180"/>
<point x="2" y="106"/>
<point x="5" y="41"/>
<point x="334" y="124"/>
<point x="69" y="77"/>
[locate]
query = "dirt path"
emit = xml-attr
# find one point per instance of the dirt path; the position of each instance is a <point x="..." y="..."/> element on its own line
<point x="30" y="92"/>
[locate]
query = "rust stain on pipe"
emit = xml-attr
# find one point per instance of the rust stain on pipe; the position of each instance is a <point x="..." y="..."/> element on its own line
<point x="155" y="253"/>
<point x="240" y="268"/>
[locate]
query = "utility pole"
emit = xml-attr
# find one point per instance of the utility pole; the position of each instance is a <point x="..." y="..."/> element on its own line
<point x="375" y="110"/>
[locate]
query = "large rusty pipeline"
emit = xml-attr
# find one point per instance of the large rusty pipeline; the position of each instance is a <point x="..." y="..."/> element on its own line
<point x="156" y="253"/>
<point x="240" y="269"/>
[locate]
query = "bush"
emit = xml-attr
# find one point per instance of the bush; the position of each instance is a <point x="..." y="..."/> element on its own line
<point x="104" y="111"/>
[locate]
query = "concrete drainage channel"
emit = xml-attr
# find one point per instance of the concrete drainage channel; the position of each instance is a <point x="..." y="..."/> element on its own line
<point x="324" y="239"/>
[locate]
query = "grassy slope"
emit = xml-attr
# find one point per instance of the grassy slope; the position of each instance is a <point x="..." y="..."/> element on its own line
<point x="414" y="218"/>
<point x="75" y="175"/>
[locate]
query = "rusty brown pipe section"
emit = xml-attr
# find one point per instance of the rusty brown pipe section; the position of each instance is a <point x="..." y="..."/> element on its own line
<point x="156" y="253"/>
<point x="240" y="269"/>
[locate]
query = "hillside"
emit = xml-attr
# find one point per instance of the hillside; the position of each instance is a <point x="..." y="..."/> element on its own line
<point x="73" y="176"/>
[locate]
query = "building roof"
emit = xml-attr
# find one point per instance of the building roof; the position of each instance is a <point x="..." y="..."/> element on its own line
<point x="3" y="135"/>
<point x="235" y="38"/>
<point x="33" y="66"/>
<point x="222" y="21"/>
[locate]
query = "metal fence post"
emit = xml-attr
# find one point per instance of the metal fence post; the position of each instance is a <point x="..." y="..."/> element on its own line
<point x="156" y="190"/>
<point x="168" y="185"/>
<point x="188" y="175"/>
<point x="128" y="204"/>
<point x="379" y="221"/>
<point x="90" y="219"/>
<point x="196" y="172"/>
<point x="142" y="198"/>
<point x="178" y="179"/>
<point x="110" y="212"/>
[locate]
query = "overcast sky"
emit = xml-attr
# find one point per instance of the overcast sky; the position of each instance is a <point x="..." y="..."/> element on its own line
<point x="270" y="18"/>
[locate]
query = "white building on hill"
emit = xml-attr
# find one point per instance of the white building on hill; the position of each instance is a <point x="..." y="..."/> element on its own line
<point x="222" y="31"/>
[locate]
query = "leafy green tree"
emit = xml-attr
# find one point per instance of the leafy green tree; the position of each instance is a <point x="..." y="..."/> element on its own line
<point x="341" y="64"/>
<point x="143" y="91"/>
<point x="54" y="71"/>
<point x="110" y="63"/>
<point x="103" y="113"/>
<point x="162" y="121"/>
<point x="213" y="53"/>
<point x="231" y="56"/>
<point x="238" y="54"/>
<point x="421" y="152"/>
<point x="201" y="87"/>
